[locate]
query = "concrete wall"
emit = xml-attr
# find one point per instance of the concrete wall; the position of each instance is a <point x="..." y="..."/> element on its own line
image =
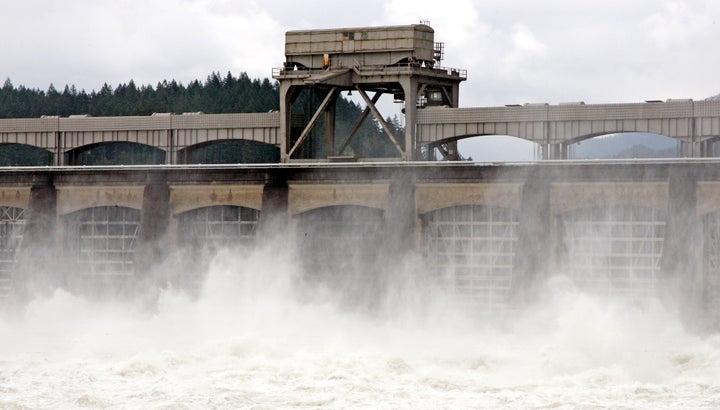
<point x="541" y="193"/>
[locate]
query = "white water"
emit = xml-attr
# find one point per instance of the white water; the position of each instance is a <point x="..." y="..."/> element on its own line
<point x="253" y="340"/>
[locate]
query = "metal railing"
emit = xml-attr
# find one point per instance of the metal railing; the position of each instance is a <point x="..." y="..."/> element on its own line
<point x="458" y="72"/>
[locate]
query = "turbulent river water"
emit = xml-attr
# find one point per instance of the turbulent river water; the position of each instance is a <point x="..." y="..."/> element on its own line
<point x="253" y="340"/>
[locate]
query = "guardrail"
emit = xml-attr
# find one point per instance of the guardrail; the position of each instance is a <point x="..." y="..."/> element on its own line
<point x="282" y="71"/>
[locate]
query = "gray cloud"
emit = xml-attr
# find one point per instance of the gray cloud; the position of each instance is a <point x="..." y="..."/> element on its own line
<point x="515" y="51"/>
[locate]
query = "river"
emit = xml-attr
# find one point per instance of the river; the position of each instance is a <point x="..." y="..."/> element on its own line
<point x="252" y="340"/>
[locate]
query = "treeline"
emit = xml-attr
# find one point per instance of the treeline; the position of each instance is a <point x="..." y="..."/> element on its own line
<point x="217" y="94"/>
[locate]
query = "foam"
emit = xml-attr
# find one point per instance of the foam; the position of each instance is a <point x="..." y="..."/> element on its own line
<point x="256" y="336"/>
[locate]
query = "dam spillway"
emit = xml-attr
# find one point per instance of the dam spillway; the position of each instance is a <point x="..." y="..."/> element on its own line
<point x="490" y="231"/>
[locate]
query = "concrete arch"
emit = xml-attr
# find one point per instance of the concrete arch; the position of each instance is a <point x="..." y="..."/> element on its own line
<point x="503" y="147"/>
<point x="337" y="214"/>
<point x="626" y="144"/>
<point x="492" y="147"/>
<point x="433" y="196"/>
<point x="689" y="121"/>
<point x="216" y="226"/>
<point x="568" y="196"/>
<point x="73" y="198"/>
<point x="538" y="145"/>
<point x="184" y="198"/>
<point x="468" y="207"/>
<point x="585" y="137"/>
<point x="41" y="133"/>
<point x="484" y="206"/>
<point x="617" y="211"/>
<point x="229" y="151"/>
<point x="17" y="197"/>
<point x="459" y="137"/>
<point x="114" y="153"/>
<point x="189" y="130"/>
<point x="43" y="140"/>
<point x="450" y="124"/>
<point x="109" y="209"/>
<point x="22" y="154"/>
<point x="305" y="197"/>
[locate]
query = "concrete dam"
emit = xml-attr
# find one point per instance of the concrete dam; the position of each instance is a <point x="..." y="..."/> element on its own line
<point x="491" y="231"/>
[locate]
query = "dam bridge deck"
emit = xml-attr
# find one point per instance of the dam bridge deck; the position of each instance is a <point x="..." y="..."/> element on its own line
<point x="694" y="124"/>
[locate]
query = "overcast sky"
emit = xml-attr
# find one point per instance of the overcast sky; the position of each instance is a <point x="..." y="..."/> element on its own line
<point x="515" y="51"/>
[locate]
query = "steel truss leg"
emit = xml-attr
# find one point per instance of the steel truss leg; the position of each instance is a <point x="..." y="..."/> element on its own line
<point x="358" y="123"/>
<point x="382" y="122"/>
<point x="326" y="102"/>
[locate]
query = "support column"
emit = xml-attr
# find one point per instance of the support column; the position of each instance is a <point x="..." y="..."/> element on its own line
<point x="58" y="156"/>
<point x="698" y="149"/>
<point x="410" y="88"/>
<point x="453" y="151"/>
<point x="692" y="149"/>
<point x="285" y="124"/>
<point x="455" y="95"/>
<point x="544" y="151"/>
<point x="680" y="263"/>
<point x="274" y="217"/>
<point x="706" y="149"/>
<point x="37" y="269"/>
<point x="533" y="256"/>
<point x="151" y="246"/>
<point x="556" y="151"/>
<point x="400" y="217"/>
<point x="687" y="149"/>
<point x="330" y="127"/>
<point x="171" y="153"/>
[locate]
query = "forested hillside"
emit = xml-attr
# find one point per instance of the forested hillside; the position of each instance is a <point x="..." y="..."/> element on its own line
<point x="217" y="94"/>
